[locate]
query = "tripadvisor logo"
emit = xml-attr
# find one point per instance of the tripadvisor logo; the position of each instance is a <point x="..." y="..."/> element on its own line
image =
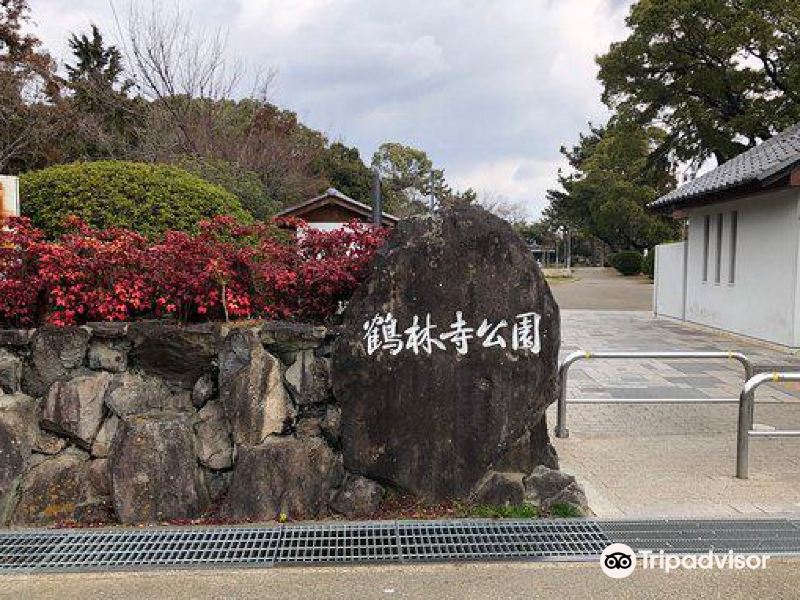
<point x="619" y="560"/>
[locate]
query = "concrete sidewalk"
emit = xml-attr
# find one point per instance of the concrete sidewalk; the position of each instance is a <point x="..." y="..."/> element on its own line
<point x="673" y="460"/>
<point x="780" y="579"/>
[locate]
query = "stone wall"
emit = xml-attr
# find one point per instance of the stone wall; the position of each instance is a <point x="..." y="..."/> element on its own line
<point x="152" y="422"/>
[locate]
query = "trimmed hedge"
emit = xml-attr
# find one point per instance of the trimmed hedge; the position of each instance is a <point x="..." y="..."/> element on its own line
<point x="628" y="262"/>
<point x="147" y="198"/>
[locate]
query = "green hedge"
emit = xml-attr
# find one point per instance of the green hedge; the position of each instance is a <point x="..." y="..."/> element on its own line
<point x="628" y="262"/>
<point x="147" y="198"/>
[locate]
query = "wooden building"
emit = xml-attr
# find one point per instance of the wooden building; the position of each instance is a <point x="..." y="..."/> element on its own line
<point x="332" y="210"/>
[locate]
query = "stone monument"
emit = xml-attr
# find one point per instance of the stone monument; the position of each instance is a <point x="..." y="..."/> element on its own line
<point x="447" y="360"/>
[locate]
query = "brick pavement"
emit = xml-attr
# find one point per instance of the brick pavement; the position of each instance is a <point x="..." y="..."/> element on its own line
<point x="674" y="460"/>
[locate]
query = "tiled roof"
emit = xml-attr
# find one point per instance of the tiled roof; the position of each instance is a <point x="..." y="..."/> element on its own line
<point x="755" y="166"/>
<point x="332" y="194"/>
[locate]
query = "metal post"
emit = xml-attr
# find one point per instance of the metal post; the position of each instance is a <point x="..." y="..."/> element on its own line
<point x="377" y="209"/>
<point x="561" y="415"/>
<point x="433" y="193"/>
<point x="746" y="411"/>
<point x="745" y="425"/>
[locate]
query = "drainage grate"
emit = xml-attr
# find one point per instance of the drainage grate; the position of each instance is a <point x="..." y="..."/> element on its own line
<point x="383" y="542"/>
<point x="769" y="536"/>
<point x="338" y="543"/>
<point x="153" y="548"/>
<point x="493" y="540"/>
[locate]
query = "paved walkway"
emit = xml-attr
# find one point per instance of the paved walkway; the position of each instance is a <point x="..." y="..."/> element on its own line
<point x="780" y="579"/>
<point x="603" y="289"/>
<point x="674" y="460"/>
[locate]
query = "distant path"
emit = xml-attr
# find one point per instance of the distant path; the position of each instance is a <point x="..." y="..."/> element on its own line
<point x="599" y="288"/>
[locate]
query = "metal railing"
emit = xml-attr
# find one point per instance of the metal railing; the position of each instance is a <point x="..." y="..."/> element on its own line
<point x="561" y="419"/>
<point x="746" y="410"/>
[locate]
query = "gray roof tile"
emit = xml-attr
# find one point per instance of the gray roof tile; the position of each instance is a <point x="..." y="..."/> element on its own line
<point x="753" y="166"/>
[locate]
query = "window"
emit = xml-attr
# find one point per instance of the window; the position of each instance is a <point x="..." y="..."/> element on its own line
<point x="706" y="228"/>
<point x="718" y="265"/>
<point x="734" y="234"/>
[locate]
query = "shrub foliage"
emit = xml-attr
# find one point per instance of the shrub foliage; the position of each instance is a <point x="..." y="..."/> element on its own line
<point x="227" y="270"/>
<point x="149" y="199"/>
<point x="627" y="262"/>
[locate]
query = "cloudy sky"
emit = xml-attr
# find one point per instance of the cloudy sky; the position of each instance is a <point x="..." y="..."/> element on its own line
<point x="489" y="88"/>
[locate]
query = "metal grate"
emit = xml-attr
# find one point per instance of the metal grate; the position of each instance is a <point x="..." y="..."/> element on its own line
<point x="338" y="543"/>
<point x="383" y="542"/>
<point x="151" y="548"/>
<point x="493" y="540"/>
<point x="771" y="536"/>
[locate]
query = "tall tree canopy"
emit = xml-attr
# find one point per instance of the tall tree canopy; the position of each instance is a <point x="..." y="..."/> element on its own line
<point x="717" y="75"/>
<point x="615" y="174"/>
<point x="407" y="176"/>
<point x="28" y="90"/>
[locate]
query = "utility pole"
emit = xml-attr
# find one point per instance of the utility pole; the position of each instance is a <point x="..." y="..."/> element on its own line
<point x="433" y="193"/>
<point x="377" y="209"/>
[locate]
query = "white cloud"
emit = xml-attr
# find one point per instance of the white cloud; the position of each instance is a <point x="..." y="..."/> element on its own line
<point x="489" y="88"/>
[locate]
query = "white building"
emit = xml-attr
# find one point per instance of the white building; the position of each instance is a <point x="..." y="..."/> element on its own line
<point x="739" y="268"/>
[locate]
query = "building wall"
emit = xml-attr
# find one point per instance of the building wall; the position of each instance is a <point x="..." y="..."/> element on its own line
<point x="668" y="290"/>
<point x="761" y="301"/>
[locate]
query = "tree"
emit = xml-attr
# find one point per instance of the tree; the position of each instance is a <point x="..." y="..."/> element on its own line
<point x="512" y="211"/>
<point x="107" y="123"/>
<point x="615" y="175"/>
<point x="29" y="93"/>
<point x="407" y="176"/>
<point x="344" y="170"/>
<point x="717" y="75"/>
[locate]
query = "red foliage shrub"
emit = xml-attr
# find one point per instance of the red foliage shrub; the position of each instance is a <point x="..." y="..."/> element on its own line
<point x="226" y="271"/>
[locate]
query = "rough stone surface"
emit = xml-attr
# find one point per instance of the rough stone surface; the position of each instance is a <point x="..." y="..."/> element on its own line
<point x="436" y="424"/>
<point x="309" y="427"/>
<point x="19" y="431"/>
<point x="154" y="471"/>
<point x="108" y="330"/>
<point x="284" y="339"/>
<point x="308" y="379"/>
<point x="134" y="393"/>
<point x="177" y="354"/>
<point x="75" y="407"/>
<point x="99" y="476"/>
<point x="56" y="354"/>
<point x="204" y="389"/>
<point x="332" y="425"/>
<point x="289" y="475"/>
<point x="58" y="489"/>
<point x="10" y="372"/>
<point x="15" y="338"/>
<point x="500" y="489"/>
<point x="546" y="487"/>
<point x="105" y="437"/>
<point x="108" y="355"/>
<point x="214" y="445"/>
<point x="358" y="497"/>
<point x="49" y="444"/>
<point x="250" y="388"/>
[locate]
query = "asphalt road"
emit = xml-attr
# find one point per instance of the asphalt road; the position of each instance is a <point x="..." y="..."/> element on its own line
<point x="597" y="288"/>
<point x="564" y="581"/>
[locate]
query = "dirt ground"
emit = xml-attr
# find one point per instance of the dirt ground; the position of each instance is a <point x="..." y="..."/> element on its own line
<point x="598" y="288"/>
